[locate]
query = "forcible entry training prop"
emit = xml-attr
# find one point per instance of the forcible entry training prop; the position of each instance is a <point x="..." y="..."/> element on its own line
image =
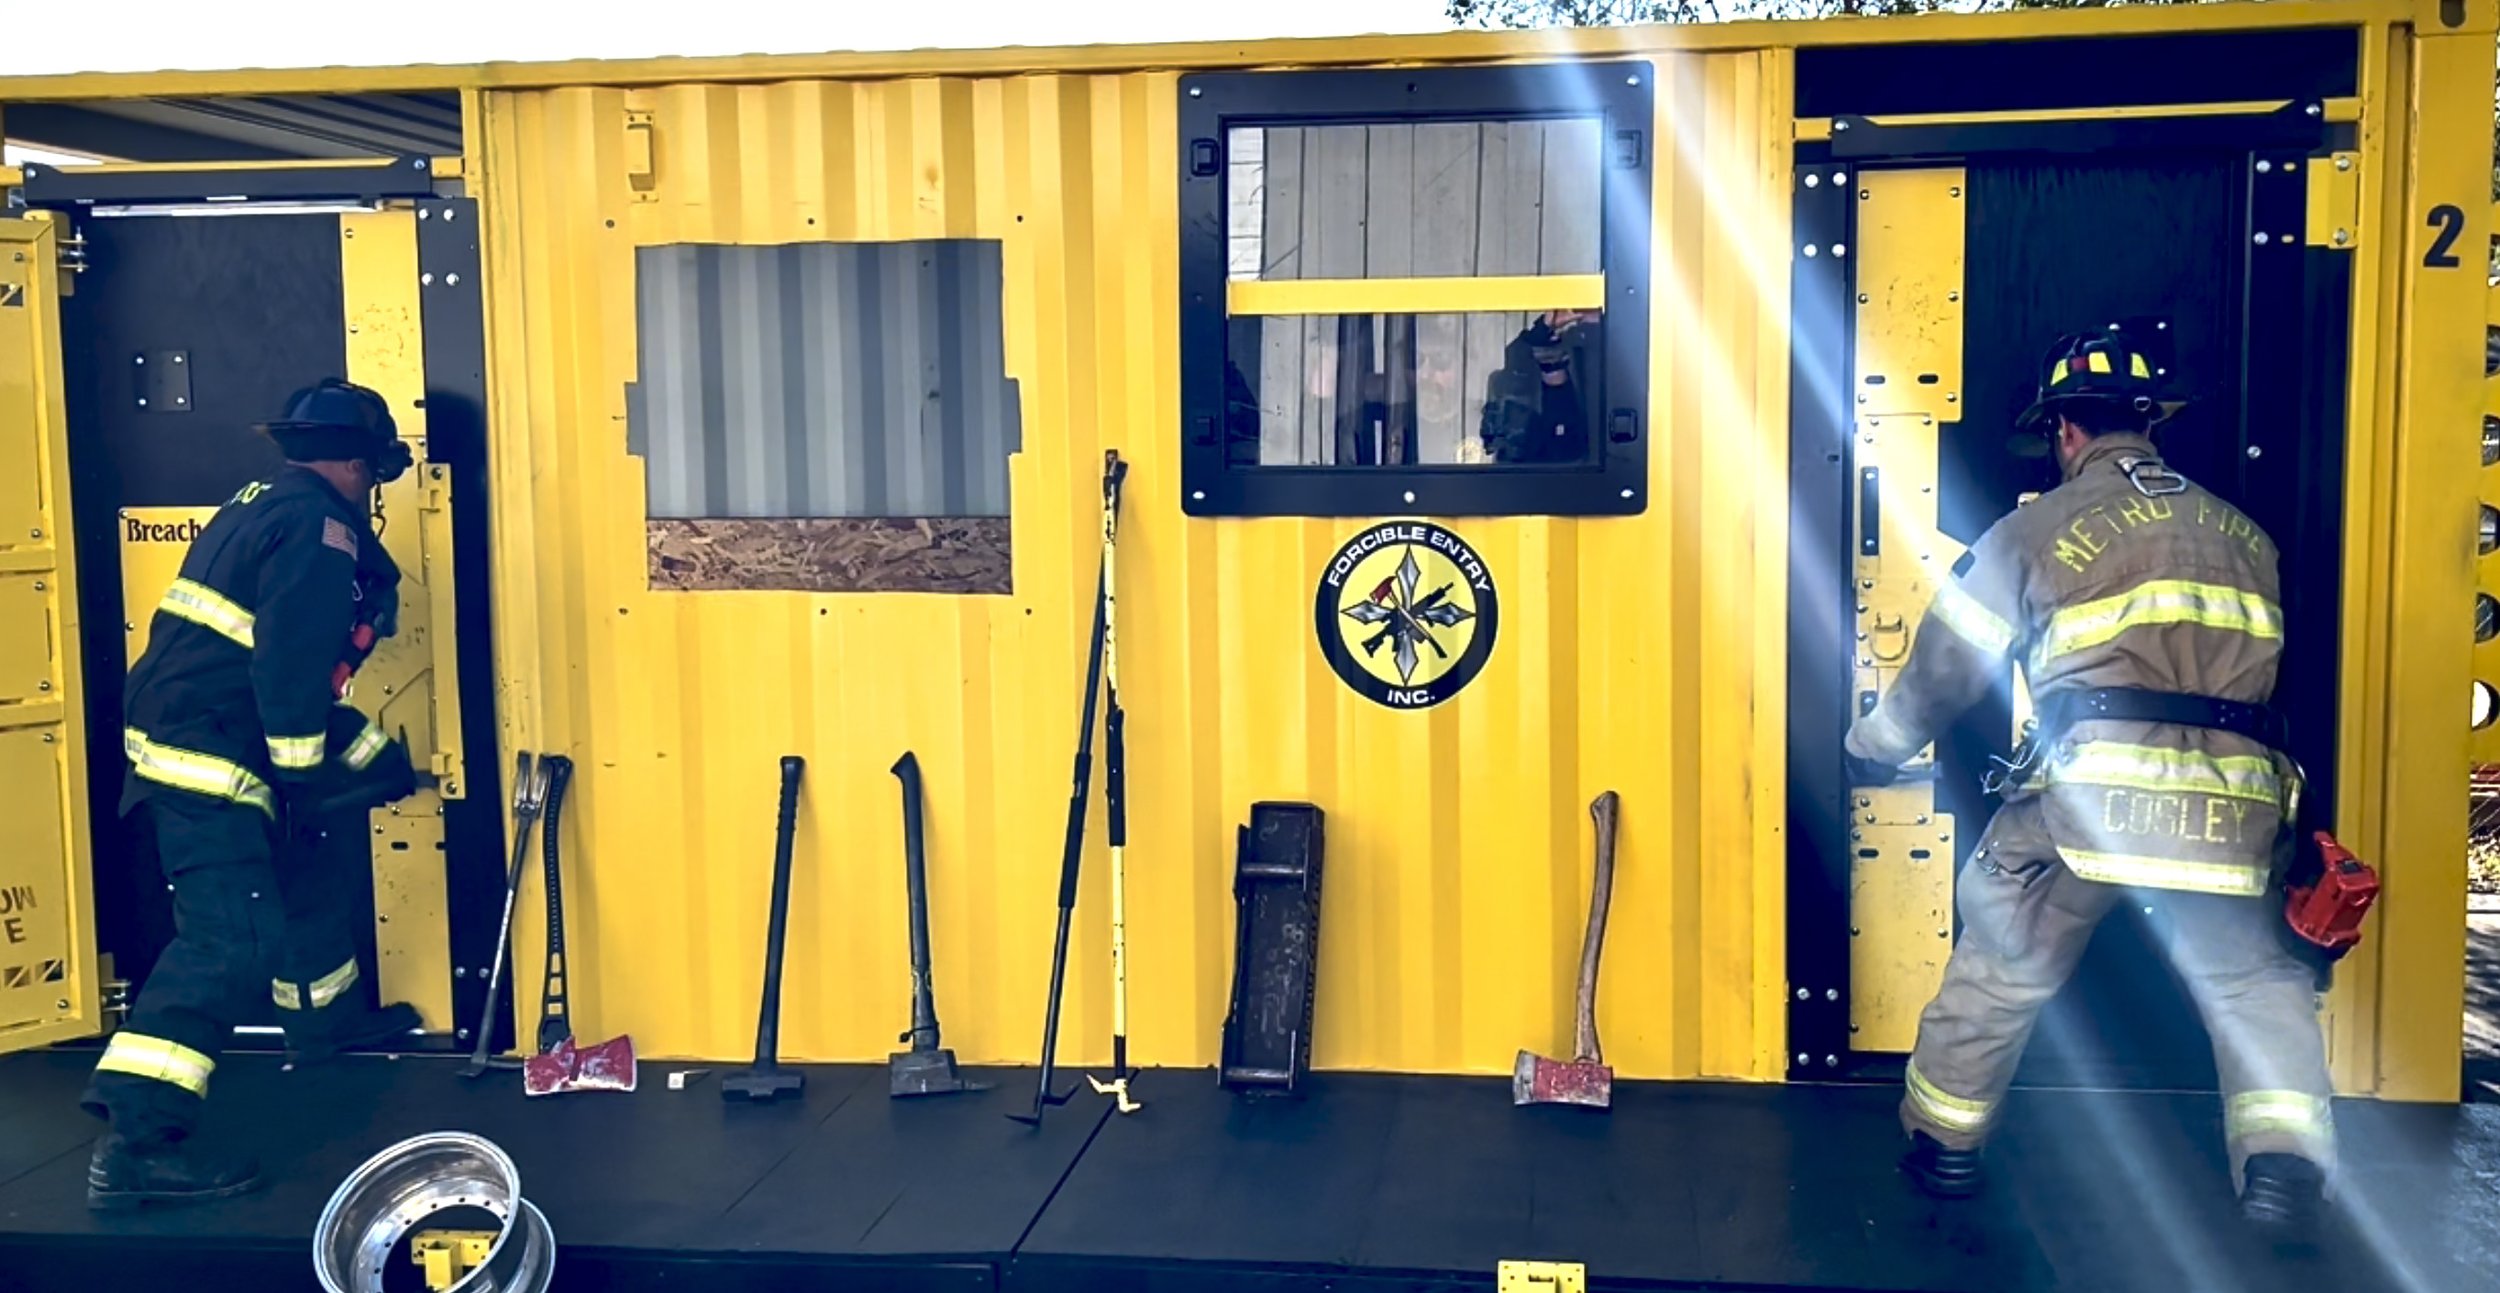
<point x="768" y="1081"/>
<point x="529" y="794"/>
<point x="1074" y="850"/>
<point x="1585" y="1080"/>
<point x="927" y="1068"/>
<point x="560" y="1064"/>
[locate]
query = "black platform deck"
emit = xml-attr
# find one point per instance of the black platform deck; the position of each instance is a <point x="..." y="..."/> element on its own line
<point x="1373" y="1183"/>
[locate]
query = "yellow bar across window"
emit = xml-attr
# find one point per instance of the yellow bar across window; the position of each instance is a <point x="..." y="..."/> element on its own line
<point x="1416" y="295"/>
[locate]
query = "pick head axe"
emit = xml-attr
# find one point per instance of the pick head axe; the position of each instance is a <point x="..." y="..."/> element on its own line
<point x="1585" y="1080"/>
<point x="562" y="1064"/>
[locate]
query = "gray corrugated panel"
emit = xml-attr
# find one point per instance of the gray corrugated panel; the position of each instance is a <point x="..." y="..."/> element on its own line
<point x="821" y="379"/>
<point x="307" y="126"/>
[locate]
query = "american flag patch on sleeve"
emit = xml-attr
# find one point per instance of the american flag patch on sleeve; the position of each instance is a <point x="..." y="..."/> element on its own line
<point x="335" y="534"/>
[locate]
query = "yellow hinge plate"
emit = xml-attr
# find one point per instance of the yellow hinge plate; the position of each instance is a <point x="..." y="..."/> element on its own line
<point x="1541" y="1277"/>
<point x="2334" y="215"/>
<point x="1900" y="916"/>
<point x="447" y="1256"/>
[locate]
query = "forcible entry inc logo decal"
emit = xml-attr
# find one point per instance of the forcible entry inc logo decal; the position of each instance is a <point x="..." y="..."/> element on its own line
<point x="1406" y="614"/>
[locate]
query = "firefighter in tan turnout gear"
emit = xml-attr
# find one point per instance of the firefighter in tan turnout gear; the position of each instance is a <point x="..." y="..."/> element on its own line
<point x="2145" y="614"/>
<point x="242" y="751"/>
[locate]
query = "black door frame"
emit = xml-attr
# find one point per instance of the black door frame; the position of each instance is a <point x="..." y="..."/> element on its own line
<point x="2295" y="306"/>
<point x="457" y="428"/>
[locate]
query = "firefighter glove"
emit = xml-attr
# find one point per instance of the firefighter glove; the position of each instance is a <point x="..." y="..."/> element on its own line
<point x="1863" y="771"/>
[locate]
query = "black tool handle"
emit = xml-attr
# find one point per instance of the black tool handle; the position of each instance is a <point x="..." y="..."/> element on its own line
<point x="555" y="1015"/>
<point x="924" y="1022"/>
<point x="768" y="1020"/>
<point x="1072" y="854"/>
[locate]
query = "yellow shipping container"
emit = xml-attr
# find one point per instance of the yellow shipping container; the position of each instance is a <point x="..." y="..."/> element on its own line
<point x="661" y="245"/>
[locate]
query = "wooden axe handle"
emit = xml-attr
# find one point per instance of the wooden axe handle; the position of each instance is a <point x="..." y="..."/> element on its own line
<point x="1602" y="811"/>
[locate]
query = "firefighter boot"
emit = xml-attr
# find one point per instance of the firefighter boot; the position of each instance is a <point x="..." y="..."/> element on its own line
<point x="2281" y="1199"/>
<point x="128" y="1174"/>
<point x="1941" y="1172"/>
<point x="345" y="1025"/>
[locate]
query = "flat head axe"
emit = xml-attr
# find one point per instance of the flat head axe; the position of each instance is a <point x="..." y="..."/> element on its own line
<point x="1585" y="1080"/>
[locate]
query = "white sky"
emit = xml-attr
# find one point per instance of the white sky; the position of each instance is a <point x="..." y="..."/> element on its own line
<point x="152" y="35"/>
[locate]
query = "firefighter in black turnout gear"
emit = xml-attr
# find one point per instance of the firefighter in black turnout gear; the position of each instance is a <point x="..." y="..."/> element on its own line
<point x="240" y="747"/>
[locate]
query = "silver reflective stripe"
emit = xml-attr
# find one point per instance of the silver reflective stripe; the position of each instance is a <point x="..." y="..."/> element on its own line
<point x="368" y="743"/>
<point x="2159" y="601"/>
<point x="1972" y="622"/>
<point x="325" y="989"/>
<point x="1934" y="1103"/>
<point x="204" y="774"/>
<point x="2307" y="1118"/>
<point x="295" y="753"/>
<point x="2162" y="769"/>
<point x="140" y="1055"/>
<point x="2232" y="879"/>
<point x="210" y="609"/>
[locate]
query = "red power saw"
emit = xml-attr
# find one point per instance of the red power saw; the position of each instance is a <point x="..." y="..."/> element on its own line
<point x="2327" y="911"/>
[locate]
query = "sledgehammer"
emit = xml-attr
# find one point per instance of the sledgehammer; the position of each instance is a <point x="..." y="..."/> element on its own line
<point x="1585" y="1080"/>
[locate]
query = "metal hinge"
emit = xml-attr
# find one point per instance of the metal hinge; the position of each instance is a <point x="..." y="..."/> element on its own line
<point x="642" y="161"/>
<point x="2334" y="213"/>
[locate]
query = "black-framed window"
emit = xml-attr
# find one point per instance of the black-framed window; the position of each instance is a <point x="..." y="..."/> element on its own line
<point x="1416" y="291"/>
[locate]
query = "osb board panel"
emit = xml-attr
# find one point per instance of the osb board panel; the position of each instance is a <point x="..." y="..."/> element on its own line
<point x="961" y="554"/>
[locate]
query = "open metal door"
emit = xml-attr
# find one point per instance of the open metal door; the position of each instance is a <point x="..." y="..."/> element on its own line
<point x="203" y="297"/>
<point x="49" y="980"/>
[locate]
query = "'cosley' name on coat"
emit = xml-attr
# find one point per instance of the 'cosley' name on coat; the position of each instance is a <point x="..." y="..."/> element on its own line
<point x="1442" y="541"/>
<point x="135" y="530"/>
<point x="2081" y="543"/>
<point x="2197" y="819"/>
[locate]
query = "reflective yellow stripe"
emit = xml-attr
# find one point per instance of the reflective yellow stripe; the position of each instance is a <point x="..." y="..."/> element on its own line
<point x="2232" y="879"/>
<point x="2159" y="601"/>
<point x="1972" y="622"/>
<point x="2284" y="1113"/>
<point x="1942" y="1108"/>
<point x="367" y="744"/>
<point x="325" y="989"/>
<point x="202" y="774"/>
<point x="154" y="1057"/>
<point x="295" y="753"/>
<point x="2151" y="767"/>
<point x="210" y="609"/>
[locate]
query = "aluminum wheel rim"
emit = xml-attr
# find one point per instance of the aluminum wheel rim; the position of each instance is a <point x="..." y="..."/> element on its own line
<point x="397" y="1190"/>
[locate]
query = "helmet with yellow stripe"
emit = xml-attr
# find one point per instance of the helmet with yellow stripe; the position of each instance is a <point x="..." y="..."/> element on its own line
<point x="2103" y="378"/>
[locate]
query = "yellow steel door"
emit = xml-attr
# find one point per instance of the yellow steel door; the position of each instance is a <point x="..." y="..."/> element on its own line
<point x="411" y="685"/>
<point x="48" y="972"/>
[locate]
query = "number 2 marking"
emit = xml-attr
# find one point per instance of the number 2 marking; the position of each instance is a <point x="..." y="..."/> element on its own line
<point x="2450" y="222"/>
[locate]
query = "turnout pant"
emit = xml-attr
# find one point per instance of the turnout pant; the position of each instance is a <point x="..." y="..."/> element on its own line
<point x="228" y="925"/>
<point x="2025" y="922"/>
<point x="313" y="979"/>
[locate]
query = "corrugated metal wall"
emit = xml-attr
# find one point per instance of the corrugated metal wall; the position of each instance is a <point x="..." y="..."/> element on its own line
<point x="815" y="380"/>
<point x="1644" y="655"/>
